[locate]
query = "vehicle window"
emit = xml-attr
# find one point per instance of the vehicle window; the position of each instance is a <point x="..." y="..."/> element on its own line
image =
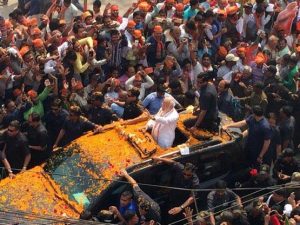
<point x="76" y="175"/>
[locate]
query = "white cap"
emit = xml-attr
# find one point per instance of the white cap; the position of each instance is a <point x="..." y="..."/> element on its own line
<point x="270" y="8"/>
<point x="231" y="58"/>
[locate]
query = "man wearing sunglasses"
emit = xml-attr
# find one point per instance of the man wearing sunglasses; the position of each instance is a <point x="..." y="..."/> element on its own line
<point x="183" y="176"/>
<point x="16" y="154"/>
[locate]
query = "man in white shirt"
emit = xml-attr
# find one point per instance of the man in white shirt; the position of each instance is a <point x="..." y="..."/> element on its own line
<point x="69" y="11"/>
<point x="230" y="66"/>
<point x="142" y="81"/>
<point x="164" y="123"/>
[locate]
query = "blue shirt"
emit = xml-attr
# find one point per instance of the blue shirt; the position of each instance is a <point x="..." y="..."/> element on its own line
<point x="258" y="132"/>
<point x="153" y="103"/>
<point x="131" y="206"/>
<point x="189" y="13"/>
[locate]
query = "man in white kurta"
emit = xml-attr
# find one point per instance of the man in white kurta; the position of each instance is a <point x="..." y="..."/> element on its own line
<point x="164" y="123"/>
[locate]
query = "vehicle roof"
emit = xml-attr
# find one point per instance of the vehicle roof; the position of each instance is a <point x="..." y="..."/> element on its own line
<point x="35" y="191"/>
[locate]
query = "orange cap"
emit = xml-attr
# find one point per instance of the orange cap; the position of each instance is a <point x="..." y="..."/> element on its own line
<point x="179" y="7"/>
<point x="36" y="31"/>
<point x="24" y="50"/>
<point x="32" y="94"/>
<point x="137" y="33"/>
<point x="131" y="24"/>
<point x="222" y="12"/>
<point x="158" y="29"/>
<point x="222" y="51"/>
<point x="260" y="58"/>
<point x="33" y="22"/>
<point x="144" y="6"/>
<point x="38" y="43"/>
<point x="17" y="92"/>
<point x="114" y="8"/>
<point x="170" y="1"/>
<point x="8" y="24"/>
<point x="232" y="10"/>
<point x="85" y="15"/>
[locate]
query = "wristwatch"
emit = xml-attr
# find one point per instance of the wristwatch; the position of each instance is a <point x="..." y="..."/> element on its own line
<point x="181" y="207"/>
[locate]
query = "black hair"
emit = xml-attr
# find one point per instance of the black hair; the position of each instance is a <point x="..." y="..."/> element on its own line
<point x="56" y="103"/>
<point x="190" y="167"/>
<point x="186" y="61"/>
<point x="75" y="110"/>
<point x="209" y="13"/>
<point x="135" y="92"/>
<point x="206" y="55"/>
<point x="204" y="76"/>
<point x="137" y="13"/>
<point x="295" y="212"/>
<point x="15" y="124"/>
<point x="51" y="48"/>
<point x="98" y="96"/>
<point x="71" y="55"/>
<point x="293" y="60"/>
<point x="191" y="25"/>
<point x="114" y="32"/>
<point x="127" y="194"/>
<point x="54" y="24"/>
<point x="221" y="184"/>
<point x="97" y="3"/>
<point x="35" y="117"/>
<point x="128" y="215"/>
<point x="259" y="85"/>
<point x="287" y="110"/>
<point x="288" y="152"/>
<point x="67" y="1"/>
<point x="76" y="27"/>
<point x="194" y="2"/>
<point x="281" y="192"/>
<point x="257" y="110"/>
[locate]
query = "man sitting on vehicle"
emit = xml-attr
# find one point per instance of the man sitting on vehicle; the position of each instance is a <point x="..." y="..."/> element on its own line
<point x="163" y="124"/>
<point x="149" y="210"/>
<point x="126" y="204"/>
<point x="208" y="114"/>
<point x="183" y="176"/>
<point x="74" y="127"/>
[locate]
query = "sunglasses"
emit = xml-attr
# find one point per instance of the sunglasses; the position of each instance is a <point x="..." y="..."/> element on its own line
<point x="187" y="174"/>
<point x="10" y="130"/>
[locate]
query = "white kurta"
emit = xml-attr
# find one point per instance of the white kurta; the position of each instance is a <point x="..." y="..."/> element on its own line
<point x="163" y="128"/>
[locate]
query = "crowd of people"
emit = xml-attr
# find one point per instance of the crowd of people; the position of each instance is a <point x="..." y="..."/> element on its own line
<point x="68" y="70"/>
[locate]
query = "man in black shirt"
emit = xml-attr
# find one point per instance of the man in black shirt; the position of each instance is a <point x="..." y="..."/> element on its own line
<point x="132" y="109"/>
<point x="287" y="127"/>
<point x="99" y="114"/>
<point x="16" y="154"/>
<point x="183" y="176"/>
<point x="54" y="120"/>
<point x="221" y="199"/>
<point x="285" y="166"/>
<point x="74" y="127"/>
<point x="37" y="139"/>
<point x="208" y="116"/>
<point x="148" y="208"/>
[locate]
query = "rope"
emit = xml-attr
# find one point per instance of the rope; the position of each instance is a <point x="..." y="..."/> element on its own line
<point x="147" y="185"/>
<point x="292" y="185"/>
